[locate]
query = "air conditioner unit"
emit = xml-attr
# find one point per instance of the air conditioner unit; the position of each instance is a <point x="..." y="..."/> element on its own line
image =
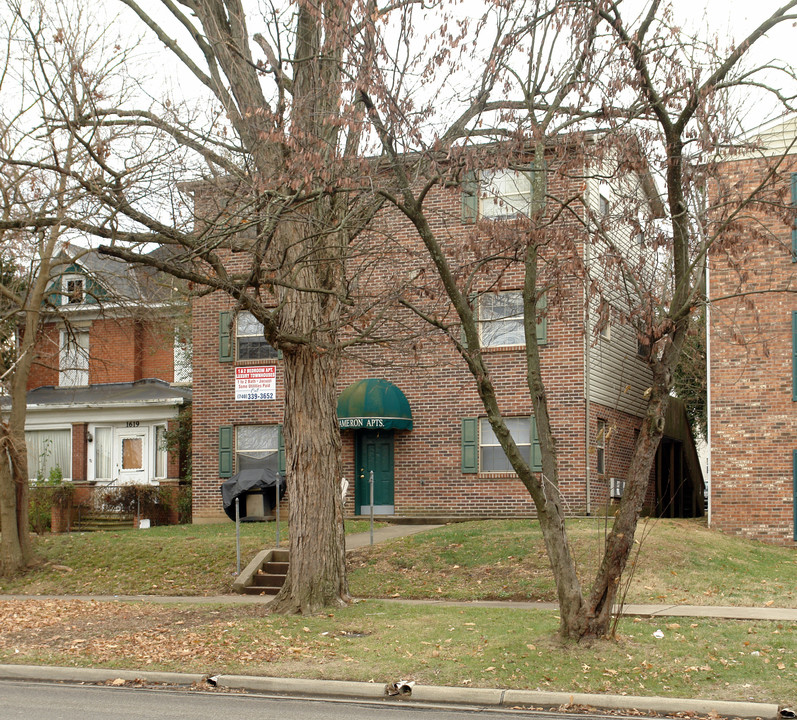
<point x="616" y="488"/>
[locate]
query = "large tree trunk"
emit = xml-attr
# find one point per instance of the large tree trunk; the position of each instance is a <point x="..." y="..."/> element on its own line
<point x="317" y="572"/>
<point x="12" y="555"/>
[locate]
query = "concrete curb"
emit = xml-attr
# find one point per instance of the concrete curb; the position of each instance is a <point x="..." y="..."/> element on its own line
<point x="350" y="690"/>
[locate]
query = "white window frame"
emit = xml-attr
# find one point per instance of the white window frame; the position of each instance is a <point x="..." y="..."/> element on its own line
<point x="600" y="446"/>
<point x="109" y="430"/>
<point x="247" y="326"/>
<point x="183" y="360"/>
<point x="492" y="329"/>
<point x="66" y="295"/>
<point x="504" y="193"/>
<point x="519" y="428"/>
<point x="33" y="464"/>
<point x="160" y="454"/>
<point x="73" y="358"/>
<point x="256" y="450"/>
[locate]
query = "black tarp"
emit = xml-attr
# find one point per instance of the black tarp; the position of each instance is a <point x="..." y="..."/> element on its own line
<point x="255" y="480"/>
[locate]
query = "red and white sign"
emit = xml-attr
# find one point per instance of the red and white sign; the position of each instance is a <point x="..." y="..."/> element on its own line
<point x="256" y="382"/>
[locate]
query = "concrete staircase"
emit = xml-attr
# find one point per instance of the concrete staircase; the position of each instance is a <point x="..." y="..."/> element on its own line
<point x="265" y="575"/>
<point x="94" y="521"/>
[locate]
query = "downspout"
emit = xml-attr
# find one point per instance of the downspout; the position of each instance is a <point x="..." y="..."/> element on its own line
<point x="708" y="392"/>
<point x="587" y="248"/>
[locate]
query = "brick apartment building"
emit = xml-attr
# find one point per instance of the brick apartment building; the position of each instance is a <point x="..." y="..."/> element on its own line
<point x="109" y="377"/>
<point x="753" y="355"/>
<point x="414" y="418"/>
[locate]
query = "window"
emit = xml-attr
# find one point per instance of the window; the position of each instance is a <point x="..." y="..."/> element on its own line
<point x="183" y="352"/>
<point x="496" y="194"/>
<point x="72" y="290"/>
<point x="600" y="447"/>
<point x="103" y="453"/>
<point x="250" y="343"/>
<point x="49" y="450"/>
<point x="160" y="452"/>
<point x="257" y="446"/>
<point x="132" y="453"/>
<point x="481" y="451"/>
<point x="603" y="205"/>
<point x="501" y="319"/>
<point x="74" y="359"/>
<point x="504" y="194"/>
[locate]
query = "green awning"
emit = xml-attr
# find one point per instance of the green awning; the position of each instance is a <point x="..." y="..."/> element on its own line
<point x="373" y="405"/>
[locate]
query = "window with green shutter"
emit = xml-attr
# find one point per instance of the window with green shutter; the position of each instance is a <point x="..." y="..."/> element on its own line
<point x="481" y="450"/>
<point x="225" y="451"/>
<point x="500" y="319"/>
<point x="225" y="336"/>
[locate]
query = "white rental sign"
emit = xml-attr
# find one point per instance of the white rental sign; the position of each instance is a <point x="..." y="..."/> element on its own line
<point x="256" y="383"/>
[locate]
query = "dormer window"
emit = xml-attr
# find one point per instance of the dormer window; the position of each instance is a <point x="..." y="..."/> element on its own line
<point x="73" y="290"/>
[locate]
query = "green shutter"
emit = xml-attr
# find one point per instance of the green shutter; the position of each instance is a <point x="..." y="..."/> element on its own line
<point x="280" y="449"/>
<point x="794" y="356"/>
<point x="542" y="325"/>
<point x="536" y="451"/>
<point x="225" y="336"/>
<point x="794" y="229"/>
<point x="470" y="198"/>
<point x="470" y="445"/>
<point x="225" y="451"/>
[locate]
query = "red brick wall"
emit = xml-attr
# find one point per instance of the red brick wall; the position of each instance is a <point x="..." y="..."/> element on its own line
<point x="120" y="350"/>
<point x="440" y="390"/>
<point x="753" y="416"/>
<point x="44" y="370"/>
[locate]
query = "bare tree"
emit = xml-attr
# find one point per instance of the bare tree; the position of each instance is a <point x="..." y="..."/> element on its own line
<point x="657" y="103"/>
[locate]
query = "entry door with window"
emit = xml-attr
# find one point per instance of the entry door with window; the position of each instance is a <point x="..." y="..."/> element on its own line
<point x="132" y="458"/>
<point x="374" y="453"/>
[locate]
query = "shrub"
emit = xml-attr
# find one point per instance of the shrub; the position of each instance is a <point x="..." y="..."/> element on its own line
<point x="139" y="500"/>
<point x="184" y="503"/>
<point x="44" y="495"/>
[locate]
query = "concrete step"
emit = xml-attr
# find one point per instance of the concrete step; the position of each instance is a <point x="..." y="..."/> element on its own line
<point x="93" y="521"/>
<point x="265" y="575"/>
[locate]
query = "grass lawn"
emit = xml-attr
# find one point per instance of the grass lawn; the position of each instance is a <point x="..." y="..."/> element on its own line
<point x="679" y="562"/>
<point x="383" y="642"/>
<point x="173" y="560"/>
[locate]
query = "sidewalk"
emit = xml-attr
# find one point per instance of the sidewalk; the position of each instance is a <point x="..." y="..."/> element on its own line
<point x="376" y="693"/>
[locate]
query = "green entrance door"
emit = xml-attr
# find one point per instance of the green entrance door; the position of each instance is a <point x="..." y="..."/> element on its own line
<point x="374" y="452"/>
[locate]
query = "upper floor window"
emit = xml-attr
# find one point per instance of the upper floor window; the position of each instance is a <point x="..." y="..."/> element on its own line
<point x="504" y="194"/>
<point x="501" y="319"/>
<point x="496" y="194"/>
<point x="249" y="340"/>
<point x="73" y="291"/>
<point x="182" y="360"/>
<point x="73" y="360"/>
<point x="244" y="341"/>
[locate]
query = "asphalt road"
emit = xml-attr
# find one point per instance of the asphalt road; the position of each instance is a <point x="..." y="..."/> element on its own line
<point x="46" y="701"/>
